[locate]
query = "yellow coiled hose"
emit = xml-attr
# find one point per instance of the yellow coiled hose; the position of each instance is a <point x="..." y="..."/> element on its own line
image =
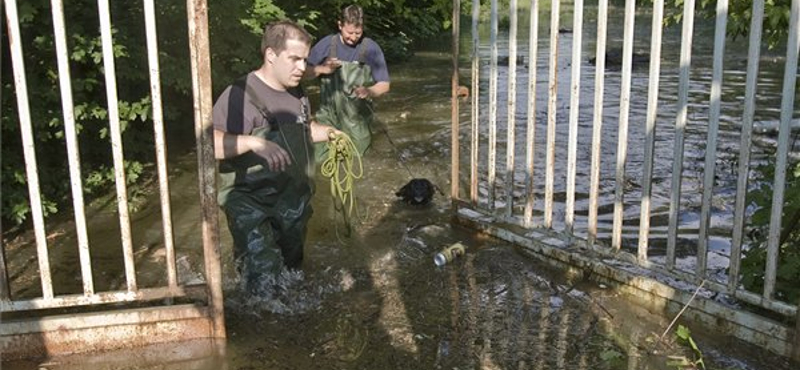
<point x="342" y="167"/>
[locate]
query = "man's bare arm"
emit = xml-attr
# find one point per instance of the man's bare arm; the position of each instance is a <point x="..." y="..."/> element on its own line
<point x="228" y="145"/>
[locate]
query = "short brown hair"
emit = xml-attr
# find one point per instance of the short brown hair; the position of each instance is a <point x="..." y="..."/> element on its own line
<point x="276" y="34"/>
<point x="352" y="14"/>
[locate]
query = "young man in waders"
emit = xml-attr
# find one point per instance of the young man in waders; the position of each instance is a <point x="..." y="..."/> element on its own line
<point x="264" y="139"/>
<point x="352" y="72"/>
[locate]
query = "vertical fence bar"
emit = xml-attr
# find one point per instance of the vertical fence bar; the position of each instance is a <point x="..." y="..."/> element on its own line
<point x="713" y="134"/>
<point x="680" y="129"/>
<point x="116" y="142"/>
<point x="28" y="146"/>
<point x="551" y="116"/>
<point x="622" y="135"/>
<point x="533" y="69"/>
<point x="197" y="17"/>
<point x="650" y="127"/>
<point x="574" y="113"/>
<point x="70" y="133"/>
<point x="787" y="107"/>
<point x="455" y="151"/>
<point x="753" y="56"/>
<point x="475" y="109"/>
<point x="161" y="148"/>
<point x="512" y="107"/>
<point x="493" y="109"/>
<point x="597" y="123"/>
<point x="5" y="290"/>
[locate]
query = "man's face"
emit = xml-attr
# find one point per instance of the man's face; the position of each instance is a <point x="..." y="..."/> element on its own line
<point x="288" y="66"/>
<point x="351" y="33"/>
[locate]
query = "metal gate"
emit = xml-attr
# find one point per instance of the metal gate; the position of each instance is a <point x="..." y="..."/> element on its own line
<point x="533" y="202"/>
<point x="54" y="324"/>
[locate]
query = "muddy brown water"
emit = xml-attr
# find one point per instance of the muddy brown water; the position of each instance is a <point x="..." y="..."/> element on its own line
<point x="375" y="299"/>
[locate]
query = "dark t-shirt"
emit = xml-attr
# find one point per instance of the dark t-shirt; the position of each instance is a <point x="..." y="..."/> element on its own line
<point x="238" y="111"/>
<point x="373" y="55"/>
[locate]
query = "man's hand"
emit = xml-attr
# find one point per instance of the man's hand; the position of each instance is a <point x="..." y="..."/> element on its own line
<point x="361" y="92"/>
<point x="329" y="66"/>
<point x="277" y="158"/>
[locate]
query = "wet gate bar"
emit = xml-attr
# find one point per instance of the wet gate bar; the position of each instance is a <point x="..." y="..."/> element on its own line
<point x="34" y="331"/>
<point x="489" y="205"/>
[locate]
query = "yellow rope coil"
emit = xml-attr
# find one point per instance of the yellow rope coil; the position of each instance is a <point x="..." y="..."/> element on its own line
<point x="342" y="167"/>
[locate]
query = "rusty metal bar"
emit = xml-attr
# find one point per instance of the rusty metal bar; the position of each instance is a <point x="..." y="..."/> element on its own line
<point x="650" y="124"/>
<point x="454" y="145"/>
<point x="779" y="188"/>
<point x="74" y="300"/>
<point x="71" y="135"/>
<point x="197" y="16"/>
<point x="116" y="149"/>
<point x="475" y="109"/>
<point x="574" y="113"/>
<point x="512" y="107"/>
<point x="161" y="147"/>
<point x="28" y="146"/>
<point x="680" y="129"/>
<point x="622" y="132"/>
<point x="753" y="56"/>
<point x="492" y="110"/>
<point x="713" y="135"/>
<point x="551" y="116"/>
<point x="597" y="124"/>
<point x="533" y="69"/>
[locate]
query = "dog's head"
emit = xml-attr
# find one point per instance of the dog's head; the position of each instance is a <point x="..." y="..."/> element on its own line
<point x="417" y="192"/>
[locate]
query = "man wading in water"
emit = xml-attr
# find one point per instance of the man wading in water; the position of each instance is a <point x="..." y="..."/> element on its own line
<point x="263" y="138"/>
<point x="352" y="72"/>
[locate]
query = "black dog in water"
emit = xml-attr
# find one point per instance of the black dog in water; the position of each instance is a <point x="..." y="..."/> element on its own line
<point x="418" y="192"/>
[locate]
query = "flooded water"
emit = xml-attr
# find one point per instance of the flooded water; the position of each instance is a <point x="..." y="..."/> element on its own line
<point x="375" y="299"/>
<point x="768" y="103"/>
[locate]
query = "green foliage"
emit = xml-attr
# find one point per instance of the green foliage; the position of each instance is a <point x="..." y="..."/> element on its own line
<point x="740" y="14"/>
<point x="787" y="285"/>
<point x="684" y="337"/>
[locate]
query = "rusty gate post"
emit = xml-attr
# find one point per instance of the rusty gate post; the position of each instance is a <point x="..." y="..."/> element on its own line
<point x="197" y="14"/>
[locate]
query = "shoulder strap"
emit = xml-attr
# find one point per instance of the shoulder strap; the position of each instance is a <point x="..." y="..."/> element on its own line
<point x="253" y="98"/>
<point x="362" y="50"/>
<point x="332" y="47"/>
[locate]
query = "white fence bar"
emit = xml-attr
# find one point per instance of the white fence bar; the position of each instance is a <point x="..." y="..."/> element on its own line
<point x="492" y="165"/>
<point x="530" y="135"/>
<point x="475" y="109"/>
<point x="73" y="153"/>
<point x="552" y="107"/>
<point x="161" y="147"/>
<point x="455" y="149"/>
<point x="787" y="107"/>
<point x="650" y="127"/>
<point x="680" y="129"/>
<point x="713" y="133"/>
<point x="116" y="141"/>
<point x="753" y="56"/>
<point x="597" y="122"/>
<point x="574" y="112"/>
<point x="622" y="132"/>
<point x="511" y="122"/>
<point x="28" y="146"/>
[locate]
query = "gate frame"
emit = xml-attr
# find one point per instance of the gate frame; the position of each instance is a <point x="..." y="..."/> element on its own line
<point x="30" y="328"/>
<point x="571" y="251"/>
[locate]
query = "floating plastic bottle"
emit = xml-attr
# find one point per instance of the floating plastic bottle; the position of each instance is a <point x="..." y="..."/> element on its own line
<point x="449" y="253"/>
